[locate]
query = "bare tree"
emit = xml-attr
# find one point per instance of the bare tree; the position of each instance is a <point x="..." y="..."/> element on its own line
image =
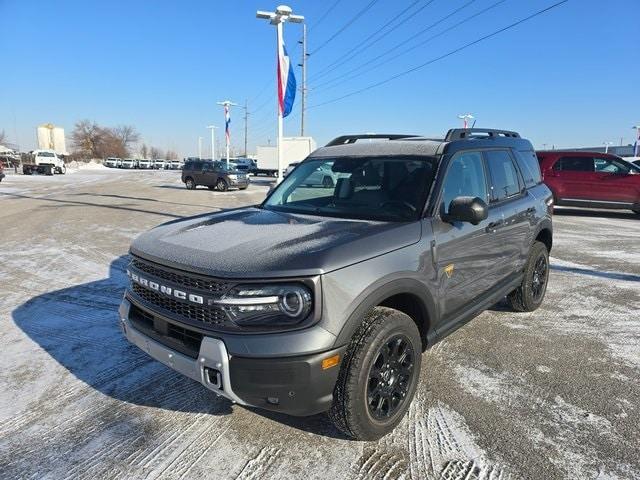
<point x="87" y="139"/>
<point x="127" y="135"/>
<point x="171" y="155"/>
<point x="144" y="151"/>
<point x="3" y="137"/>
<point x="156" y="153"/>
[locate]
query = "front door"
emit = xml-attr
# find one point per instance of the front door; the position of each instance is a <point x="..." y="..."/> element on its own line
<point x="464" y="254"/>
<point x="613" y="182"/>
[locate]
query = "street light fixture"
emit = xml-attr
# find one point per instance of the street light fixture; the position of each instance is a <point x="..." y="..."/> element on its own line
<point x="465" y="119"/>
<point x="282" y="14"/>
<point x="213" y="141"/>
<point x="606" y="146"/>
<point x="199" y="148"/>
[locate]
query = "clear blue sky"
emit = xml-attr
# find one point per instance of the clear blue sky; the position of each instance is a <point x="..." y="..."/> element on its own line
<point x="569" y="77"/>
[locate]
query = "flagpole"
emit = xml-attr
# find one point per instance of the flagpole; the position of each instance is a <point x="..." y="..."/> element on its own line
<point x="227" y="120"/>
<point x="282" y="14"/>
<point x="280" y="118"/>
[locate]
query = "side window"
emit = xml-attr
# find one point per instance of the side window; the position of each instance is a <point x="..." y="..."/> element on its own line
<point x="503" y="175"/>
<point x="574" y="164"/>
<point x="530" y="167"/>
<point x="607" y="165"/>
<point x="465" y="177"/>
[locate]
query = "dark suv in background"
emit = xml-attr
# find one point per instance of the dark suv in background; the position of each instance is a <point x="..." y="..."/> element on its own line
<point x="214" y="175"/>
<point x="345" y="286"/>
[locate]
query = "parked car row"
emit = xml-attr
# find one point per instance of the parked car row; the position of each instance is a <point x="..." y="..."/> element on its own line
<point x="143" y="164"/>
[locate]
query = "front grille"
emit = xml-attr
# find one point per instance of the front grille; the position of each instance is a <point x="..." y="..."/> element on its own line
<point x="182" y="279"/>
<point x="209" y="316"/>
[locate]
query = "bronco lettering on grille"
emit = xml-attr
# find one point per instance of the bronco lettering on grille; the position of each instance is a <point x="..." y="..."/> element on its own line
<point x="169" y="291"/>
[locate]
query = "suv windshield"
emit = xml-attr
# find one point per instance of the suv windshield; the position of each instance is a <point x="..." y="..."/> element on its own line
<point x="371" y="188"/>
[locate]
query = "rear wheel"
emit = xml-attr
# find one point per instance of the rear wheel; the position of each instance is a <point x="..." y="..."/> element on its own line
<point x="378" y="376"/>
<point x="189" y="183"/>
<point x="221" y="185"/>
<point x="529" y="295"/>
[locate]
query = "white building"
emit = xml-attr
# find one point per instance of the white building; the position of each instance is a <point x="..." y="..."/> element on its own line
<point x="51" y="137"/>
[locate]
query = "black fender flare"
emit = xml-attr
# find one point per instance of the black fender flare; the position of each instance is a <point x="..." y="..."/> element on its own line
<point x="545" y="224"/>
<point x="378" y="293"/>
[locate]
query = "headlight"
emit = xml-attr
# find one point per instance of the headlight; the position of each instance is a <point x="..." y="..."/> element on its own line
<point x="267" y="305"/>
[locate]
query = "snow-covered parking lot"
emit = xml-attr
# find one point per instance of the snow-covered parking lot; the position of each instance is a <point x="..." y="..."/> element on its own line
<point x="544" y="395"/>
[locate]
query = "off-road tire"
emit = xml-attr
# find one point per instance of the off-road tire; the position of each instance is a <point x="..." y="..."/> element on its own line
<point x="349" y="411"/>
<point x="190" y="183"/>
<point x="242" y="188"/>
<point x="221" y="185"/>
<point x="522" y="299"/>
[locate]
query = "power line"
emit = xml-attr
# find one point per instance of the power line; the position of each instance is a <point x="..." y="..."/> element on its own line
<point x="420" y="44"/>
<point x="324" y="15"/>
<point x="441" y="57"/>
<point x="399" y="45"/>
<point x="350" y="54"/>
<point x="346" y="25"/>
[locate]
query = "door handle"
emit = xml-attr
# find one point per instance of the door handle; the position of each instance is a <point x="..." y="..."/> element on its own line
<point x="493" y="226"/>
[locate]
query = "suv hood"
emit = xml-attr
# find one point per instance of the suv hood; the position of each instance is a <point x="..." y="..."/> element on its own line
<point x="257" y="243"/>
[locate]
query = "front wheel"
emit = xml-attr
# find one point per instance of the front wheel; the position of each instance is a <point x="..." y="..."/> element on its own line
<point x="529" y="295"/>
<point x="378" y="376"/>
<point x="190" y="184"/>
<point x="221" y="185"/>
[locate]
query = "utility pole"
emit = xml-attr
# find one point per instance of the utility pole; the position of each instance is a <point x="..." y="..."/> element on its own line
<point x="303" y="90"/>
<point x="226" y="104"/>
<point x="282" y="14"/>
<point x="465" y="119"/>
<point x="213" y="141"/>
<point x="199" y="148"/>
<point x="246" y="127"/>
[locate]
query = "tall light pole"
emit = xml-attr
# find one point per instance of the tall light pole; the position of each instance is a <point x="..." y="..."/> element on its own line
<point x="636" y="147"/>
<point x="213" y="141"/>
<point x="282" y="14"/>
<point x="226" y="104"/>
<point x="199" y="148"/>
<point x="465" y="119"/>
<point x="303" y="90"/>
<point x="606" y="146"/>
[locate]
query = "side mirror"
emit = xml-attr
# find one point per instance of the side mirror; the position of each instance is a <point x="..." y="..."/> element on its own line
<point x="467" y="209"/>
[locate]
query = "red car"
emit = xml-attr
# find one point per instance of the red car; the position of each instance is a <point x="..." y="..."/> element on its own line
<point x="591" y="179"/>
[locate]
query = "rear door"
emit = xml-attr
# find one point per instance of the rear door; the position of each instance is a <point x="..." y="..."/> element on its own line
<point x="575" y="177"/>
<point x="509" y="196"/>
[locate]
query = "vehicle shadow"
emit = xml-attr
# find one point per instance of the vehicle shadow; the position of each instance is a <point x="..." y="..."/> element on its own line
<point x="579" y="212"/>
<point x="79" y="328"/>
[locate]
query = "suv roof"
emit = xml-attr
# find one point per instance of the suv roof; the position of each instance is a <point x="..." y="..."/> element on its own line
<point x="404" y="144"/>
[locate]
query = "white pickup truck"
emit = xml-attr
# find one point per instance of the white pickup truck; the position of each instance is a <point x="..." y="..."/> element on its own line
<point x="44" y="162"/>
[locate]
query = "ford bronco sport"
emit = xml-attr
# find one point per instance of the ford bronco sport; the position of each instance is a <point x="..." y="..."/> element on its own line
<point x="345" y="287"/>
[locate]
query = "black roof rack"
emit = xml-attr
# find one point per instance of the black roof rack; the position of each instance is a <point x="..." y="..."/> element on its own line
<point x="346" y="139"/>
<point x="465" y="133"/>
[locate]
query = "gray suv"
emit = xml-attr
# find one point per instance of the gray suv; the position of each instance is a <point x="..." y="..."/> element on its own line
<point x="346" y="284"/>
<point x="213" y="175"/>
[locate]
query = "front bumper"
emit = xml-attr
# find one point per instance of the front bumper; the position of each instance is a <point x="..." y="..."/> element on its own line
<point x="296" y="385"/>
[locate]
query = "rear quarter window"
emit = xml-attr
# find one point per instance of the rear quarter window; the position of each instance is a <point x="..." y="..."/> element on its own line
<point x="529" y="167"/>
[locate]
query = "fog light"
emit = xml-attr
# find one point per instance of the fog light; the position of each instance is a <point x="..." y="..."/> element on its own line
<point x="330" y="362"/>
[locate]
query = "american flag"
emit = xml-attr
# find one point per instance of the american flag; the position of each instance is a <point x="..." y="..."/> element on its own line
<point x="227" y="122"/>
<point x="286" y="80"/>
